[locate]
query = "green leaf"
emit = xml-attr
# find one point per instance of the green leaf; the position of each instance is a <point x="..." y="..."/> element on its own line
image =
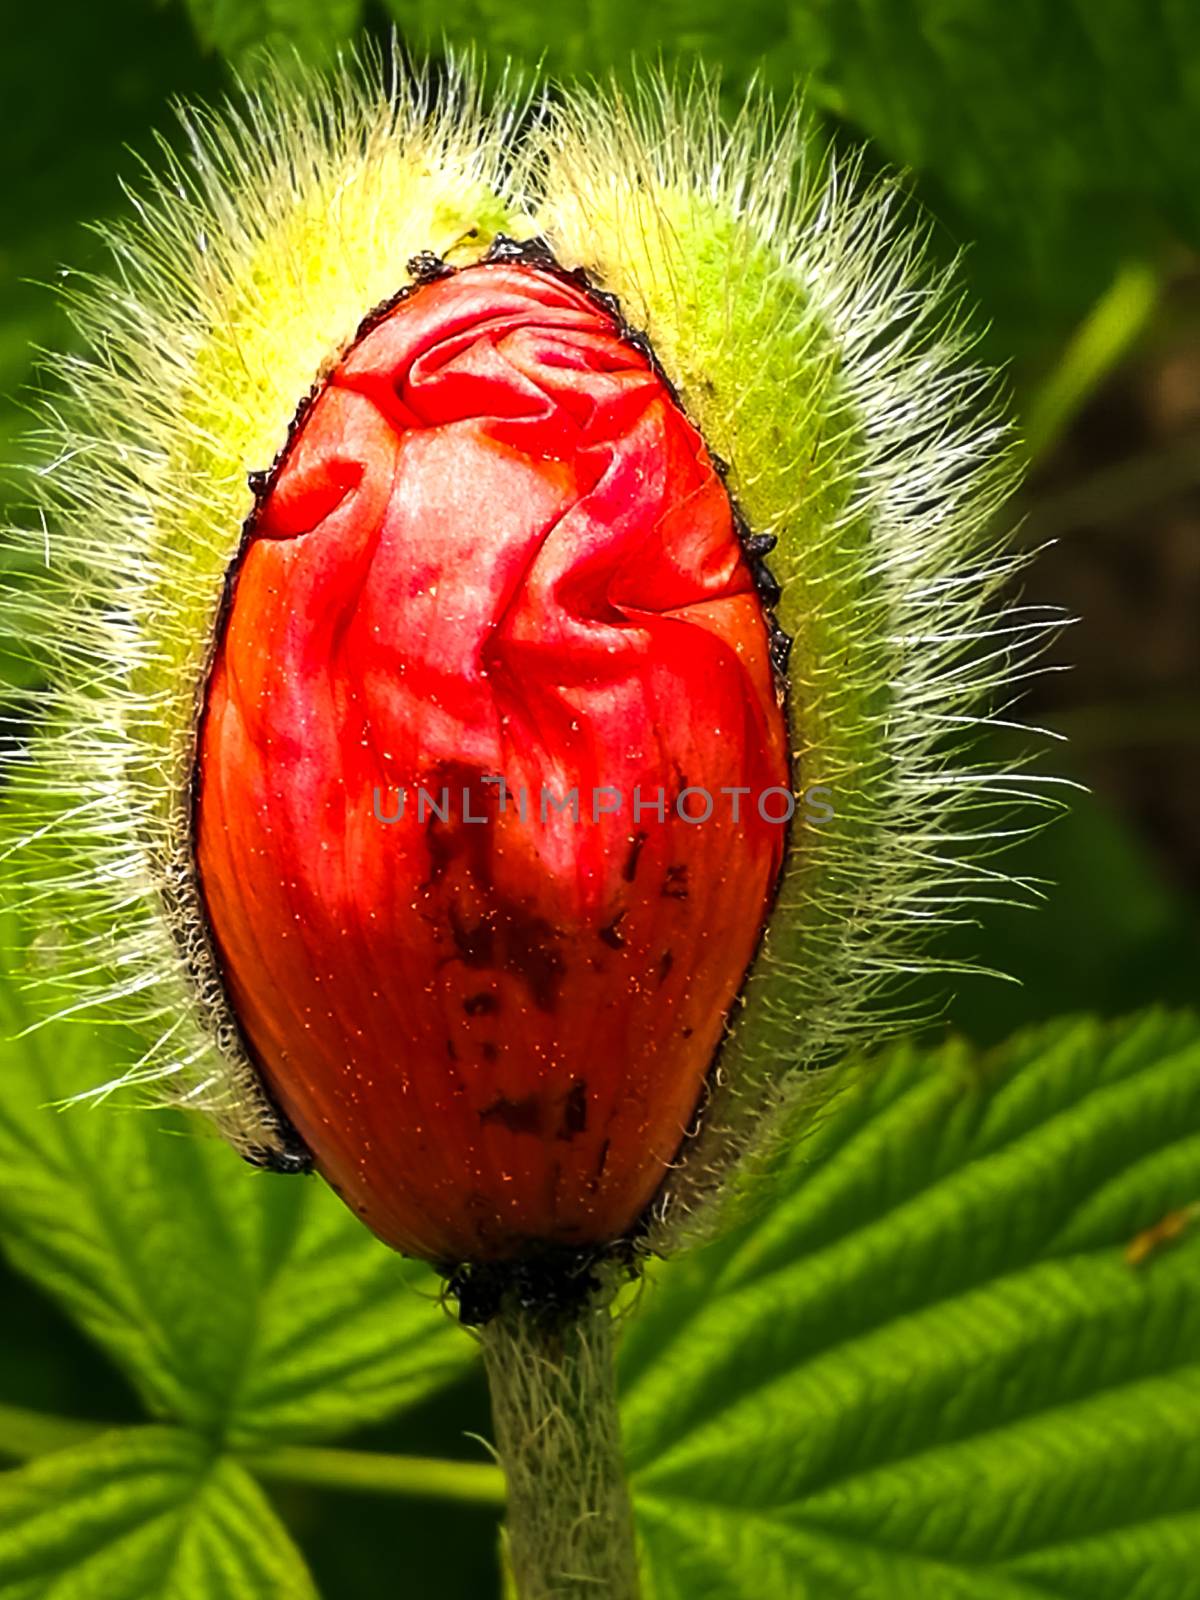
<point x="1054" y="137"/>
<point x="604" y="34"/>
<point x="314" y="28"/>
<point x="1056" y="140"/>
<point x="238" y="1301"/>
<point x="139" y="1513"/>
<point x="77" y="94"/>
<point x="935" y="1368"/>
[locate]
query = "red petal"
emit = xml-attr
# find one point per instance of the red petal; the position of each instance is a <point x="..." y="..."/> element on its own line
<point x="495" y="547"/>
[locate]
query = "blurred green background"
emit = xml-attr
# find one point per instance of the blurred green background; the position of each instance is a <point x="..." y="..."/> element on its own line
<point x="1058" y="145"/>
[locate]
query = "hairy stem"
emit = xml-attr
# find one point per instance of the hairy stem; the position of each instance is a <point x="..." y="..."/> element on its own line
<point x="554" y="1405"/>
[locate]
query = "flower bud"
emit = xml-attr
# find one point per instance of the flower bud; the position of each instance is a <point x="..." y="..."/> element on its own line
<point x="409" y="518"/>
<point x="493" y="653"/>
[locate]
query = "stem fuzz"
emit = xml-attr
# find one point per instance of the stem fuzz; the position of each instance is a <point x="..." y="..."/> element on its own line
<point x="554" y="1406"/>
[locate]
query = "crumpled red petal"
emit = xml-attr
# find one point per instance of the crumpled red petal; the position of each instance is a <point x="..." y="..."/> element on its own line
<point x="495" y="548"/>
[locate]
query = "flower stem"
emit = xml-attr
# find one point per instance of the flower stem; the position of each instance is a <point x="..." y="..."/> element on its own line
<point x="469" y="1482"/>
<point x="25" y="1435"/>
<point x="1103" y="339"/>
<point x="554" y="1406"/>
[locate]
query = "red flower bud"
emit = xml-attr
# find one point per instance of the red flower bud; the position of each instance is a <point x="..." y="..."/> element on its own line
<point x="495" y="549"/>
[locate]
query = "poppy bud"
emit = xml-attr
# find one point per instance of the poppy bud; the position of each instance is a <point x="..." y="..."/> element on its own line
<point x="497" y="580"/>
<point x="380" y="536"/>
